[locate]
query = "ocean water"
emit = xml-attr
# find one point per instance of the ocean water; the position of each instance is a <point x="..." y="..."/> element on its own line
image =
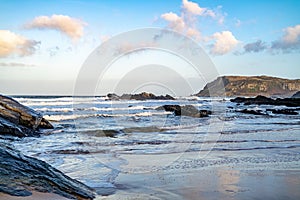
<point x="131" y="149"/>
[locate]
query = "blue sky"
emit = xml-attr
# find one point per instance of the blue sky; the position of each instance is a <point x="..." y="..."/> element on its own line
<point x="43" y="44"/>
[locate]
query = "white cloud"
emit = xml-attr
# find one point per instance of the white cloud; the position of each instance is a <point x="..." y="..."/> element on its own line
<point x="13" y="44"/>
<point x="192" y="7"/>
<point x="193" y="33"/>
<point x="290" y="41"/>
<point x="292" y="34"/>
<point x="175" y="22"/>
<point x="224" y="43"/>
<point x="70" y="26"/>
<point x="186" y="22"/>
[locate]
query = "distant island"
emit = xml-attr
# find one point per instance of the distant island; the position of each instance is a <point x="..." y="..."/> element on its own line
<point x="232" y="86"/>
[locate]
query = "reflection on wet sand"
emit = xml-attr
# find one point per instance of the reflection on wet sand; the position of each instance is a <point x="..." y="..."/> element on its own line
<point x="228" y="181"/>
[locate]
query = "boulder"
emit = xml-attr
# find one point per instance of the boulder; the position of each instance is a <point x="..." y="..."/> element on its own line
<point x="20" y="175"/>
<point x="186" y="110"/>
<point x="19" y="120"/>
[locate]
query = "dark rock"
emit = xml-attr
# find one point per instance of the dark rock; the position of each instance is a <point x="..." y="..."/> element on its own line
<point x="253" y="112"/>
<point x="296" y="95"/>
<point x="171" y="108"/>
<point x="141" y="96"/>
<point x="20" y="175"/>
<point x="187" y="110"/>
<point x="260" y="100"/>
<point x="113" y="96"/>
<point x="8" y="128"/>
<point x="19" y="120"/>
<point x="284" y="111"/>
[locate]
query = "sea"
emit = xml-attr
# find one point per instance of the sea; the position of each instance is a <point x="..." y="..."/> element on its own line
<point x="130" y="149"/>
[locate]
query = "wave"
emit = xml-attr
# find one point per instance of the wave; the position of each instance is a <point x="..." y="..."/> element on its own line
<point x="70" y="109"/>
<point x="256" y="131"/>
<point x="64" y="110"/>
<point x="58" y="118"/>
<point x="113" y="108"/>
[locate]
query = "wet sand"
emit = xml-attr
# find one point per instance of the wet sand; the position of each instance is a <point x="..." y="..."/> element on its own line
<point x="34" y="196"/>
<point x="211" y="183"/>
<point x="236" y="180"/>
<point x="229" y="182"/>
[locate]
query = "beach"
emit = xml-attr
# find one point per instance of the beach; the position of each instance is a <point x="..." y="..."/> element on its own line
<point x="128" y="149"/>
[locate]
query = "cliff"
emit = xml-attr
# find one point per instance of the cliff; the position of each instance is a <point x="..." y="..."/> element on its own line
<point x="250" y="86"/>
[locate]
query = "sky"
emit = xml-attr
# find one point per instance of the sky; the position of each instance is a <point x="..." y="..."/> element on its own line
<point x="44" y="44"/>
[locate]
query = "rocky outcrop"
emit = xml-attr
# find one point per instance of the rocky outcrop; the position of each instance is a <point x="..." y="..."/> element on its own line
<point x="262" y="100"/>
<point x="232" y="86"/>
<point x="20" y="175"/>
<point x="19" y="120"/>
<point x="252" y="112"/>
<point x="141" y="96"/>
<point x="187" y="110"/>
<point x="296" y="95"/>
<point x="284" y="111"/>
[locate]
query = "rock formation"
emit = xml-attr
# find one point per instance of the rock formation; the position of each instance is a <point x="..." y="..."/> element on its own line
<point x="140" y="96"/>
<point x="19" y="120"/>
<point x="232" y="86"/>
<point x="187" y="110"/>
<point x="20" y="175"/>
<point x="261" y="100"/>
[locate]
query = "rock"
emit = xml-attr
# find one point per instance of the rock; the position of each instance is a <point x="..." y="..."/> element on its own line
<point x="141" y="96"/>
<point x="284" y="111"/>
<point x="296" y="95"/>
<point x="19" y="120"/>
<point x="11" y="129"/>
<point x="260" y="100"/>
<point x="253" y="112"/>
<point x="232" y="86"/>
<point x="187" y="110"/>
<point x="113" y="96"/>
<point x="20" y="175"/>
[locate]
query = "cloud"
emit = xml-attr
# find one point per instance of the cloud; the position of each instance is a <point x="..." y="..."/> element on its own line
<point x="127" y="48"/>
<point x="71" y="27"/>
<point x="175" y="22"/>
<point x="192" y="7"/>
<point x="13" y="64"/>
<point x="195" y="9"/>
<point x="224" y="43"/>
<point x="289" y="41"/>
<point x="292" y="34"/>
<point x="194" y="33"/>
<point x="53" y="51"/>
<point x="186" y="21"/>
<point x="13" y="44"/>
<point x="104" y="38"/>
<point x="255" y="47"/>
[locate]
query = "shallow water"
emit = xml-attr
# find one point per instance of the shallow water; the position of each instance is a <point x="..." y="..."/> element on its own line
<point x="130" y="149"/>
